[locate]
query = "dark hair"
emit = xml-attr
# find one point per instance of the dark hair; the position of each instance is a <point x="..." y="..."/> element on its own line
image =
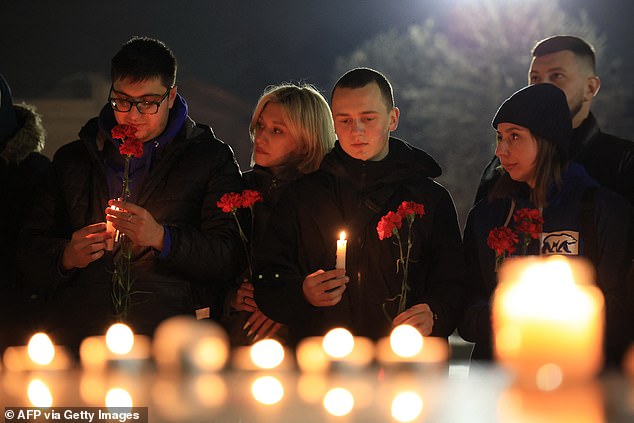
<point x="360" y="77"/>
<point x="582" y="49"/>
<point x="549" y="167"/>
<point x="143" y="58"/>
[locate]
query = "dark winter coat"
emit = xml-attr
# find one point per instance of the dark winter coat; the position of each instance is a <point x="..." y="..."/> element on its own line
<point x="22" y="171"/>
<point x="271" y="188"/>
<point x="180" y="190"/>
<point x="352" y="195"/>
<point x="608" y="159"/>
<point x="612" y="217"/>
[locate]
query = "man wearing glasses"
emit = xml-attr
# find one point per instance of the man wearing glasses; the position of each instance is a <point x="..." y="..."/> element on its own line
<point x="184" y="248"/>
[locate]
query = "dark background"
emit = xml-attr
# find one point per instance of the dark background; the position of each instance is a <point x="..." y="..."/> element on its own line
<point x="239" y="45"/>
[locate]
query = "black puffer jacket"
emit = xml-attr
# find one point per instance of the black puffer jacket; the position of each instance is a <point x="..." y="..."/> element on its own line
<point x="352" y="195"/>
<point x="608" y="159"/>
<point x="180" y="191"/>
<point x="22" y="170"/>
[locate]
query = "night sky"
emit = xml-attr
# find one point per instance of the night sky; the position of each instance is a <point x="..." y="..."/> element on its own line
<point x="239" y="45"/>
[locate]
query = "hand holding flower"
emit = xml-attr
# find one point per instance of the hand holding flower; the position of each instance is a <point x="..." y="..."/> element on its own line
<point x="419" y="316"/>
<point x="325" y="289"/>
<point x="389" y="225"/>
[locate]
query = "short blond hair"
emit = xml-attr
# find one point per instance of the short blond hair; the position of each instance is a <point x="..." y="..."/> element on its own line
<point x="309" y="121"/>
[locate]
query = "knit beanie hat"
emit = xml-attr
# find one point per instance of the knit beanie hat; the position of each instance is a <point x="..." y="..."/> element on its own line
<point x="543" y="109"/>
<point x="8" y="120"/>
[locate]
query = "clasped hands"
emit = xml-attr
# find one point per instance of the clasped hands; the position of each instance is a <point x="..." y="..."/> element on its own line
<point x="89" y="243"/>
<point x="326" y="288"/>
<point x="258" y="324"/>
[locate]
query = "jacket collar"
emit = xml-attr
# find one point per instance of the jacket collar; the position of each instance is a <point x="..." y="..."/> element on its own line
<point x="583" y="134"/>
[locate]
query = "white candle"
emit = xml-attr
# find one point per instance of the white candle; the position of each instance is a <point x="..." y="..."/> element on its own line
<point x="548" y="319"/>
<point x="341" y="251"/>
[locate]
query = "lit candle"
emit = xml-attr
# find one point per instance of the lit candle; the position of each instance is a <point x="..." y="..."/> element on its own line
<point x="347" y="351"/>
<point x="311" y="356"/>
<point x="201" y="345"/>
<point x="341" y="251"/>
<point x="39" y="354"/>
<point x="545" y="313"/>
<point x="120" y="345"/>
<point x="264" y="354"/>
<point x="406" y="345"/>
<point x="114" y="234"/>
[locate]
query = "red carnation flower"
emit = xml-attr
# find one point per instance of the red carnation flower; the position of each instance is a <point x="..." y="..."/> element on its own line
<point x="528" y="221"/>
<point x="230" y="202"/>
<point x="388" y="224"/>
<point x="122" y="132"/>
<point x="503" y="240"/>
<point x="410" y="208"/>
<point x="130" y="145"/>
<point x="250" y="197"/>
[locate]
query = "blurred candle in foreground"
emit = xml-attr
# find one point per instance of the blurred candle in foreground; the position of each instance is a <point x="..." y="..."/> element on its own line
<point x="406" y="341"/>
<point x="310" y="355"/>
<point x="346" y="350"/>
<point x="120" y="345"/>
<point x="341" y="251"/>
<point x="41" y="349"/>
<point x="267" y="354"/>
<point x="39" y="354"/>
<point x="548" y="320"/>
<point x="119" y="338"/>
<point x="406" y="345"/>
<point x="264" y="354"/>
<point x="200" y="345"/>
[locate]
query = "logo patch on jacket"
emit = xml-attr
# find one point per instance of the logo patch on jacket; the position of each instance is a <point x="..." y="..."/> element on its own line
<point x="560" y="242"/>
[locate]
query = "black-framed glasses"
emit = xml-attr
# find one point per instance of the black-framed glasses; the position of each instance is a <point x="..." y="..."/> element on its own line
<point x="144" y="107"/>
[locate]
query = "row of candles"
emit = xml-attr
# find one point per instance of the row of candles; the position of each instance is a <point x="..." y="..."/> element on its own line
<point x="203" y="346"/>
<point x="548" y="323"/>
<point x="547" y="315"/>
<point x="548" y="328"/>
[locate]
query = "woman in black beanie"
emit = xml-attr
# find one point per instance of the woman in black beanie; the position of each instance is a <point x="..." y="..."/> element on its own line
<point x="544" y="204"/>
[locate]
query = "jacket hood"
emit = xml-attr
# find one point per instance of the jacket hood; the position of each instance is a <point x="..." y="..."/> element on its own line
<point x="402" y="161"/>
<point x="29" y="138"/>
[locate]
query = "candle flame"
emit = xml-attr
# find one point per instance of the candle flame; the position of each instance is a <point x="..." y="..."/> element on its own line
<point x="41" y="349"/>
<point x="120" y="339"/>
<point x="338" y="343"/>
<point x="342" y="236"/>
<point x="406" y="341"/>
<point x="267" y="354"/>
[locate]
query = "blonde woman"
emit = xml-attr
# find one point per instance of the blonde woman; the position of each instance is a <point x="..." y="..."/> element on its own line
<point x="291" y="130"/>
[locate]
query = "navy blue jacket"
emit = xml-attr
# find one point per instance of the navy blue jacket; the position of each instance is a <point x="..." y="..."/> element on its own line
<point x="613" y="225"/>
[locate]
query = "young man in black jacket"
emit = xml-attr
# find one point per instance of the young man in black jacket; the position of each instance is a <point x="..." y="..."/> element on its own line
<point x="367" y="175"/>
<point x="182" y="243"/>
<point x="569" y="63"/>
